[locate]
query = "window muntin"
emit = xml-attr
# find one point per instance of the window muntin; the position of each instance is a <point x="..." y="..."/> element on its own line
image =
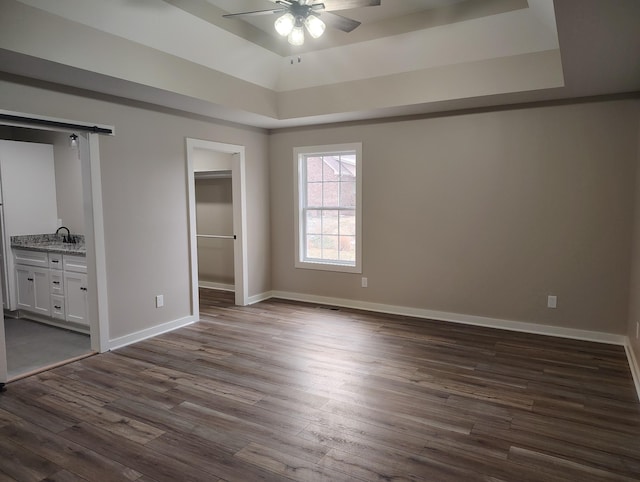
<point x="328" y="207"/>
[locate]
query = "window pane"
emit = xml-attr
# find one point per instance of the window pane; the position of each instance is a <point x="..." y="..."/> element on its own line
<point x="330" y="169"/>
<point x="330" y="248"/>
<point x="347" y="248"/>
<point x="314" y="247"/>
<point x="348" y="167"/>
<point x="314" y="222"/>
<point x="348" y="194"/>
<point x="314" y="169"/>
<point x="348" y="223"/>
<point x="330" y="223"/>
<point x="314" y="194"/>
<point x="331" y="194"/>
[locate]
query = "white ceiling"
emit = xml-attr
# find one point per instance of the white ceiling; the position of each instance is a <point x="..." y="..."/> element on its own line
<point x="407" y="57"/>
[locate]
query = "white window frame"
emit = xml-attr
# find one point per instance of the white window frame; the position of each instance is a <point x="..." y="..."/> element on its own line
<point x="299" y="154"/>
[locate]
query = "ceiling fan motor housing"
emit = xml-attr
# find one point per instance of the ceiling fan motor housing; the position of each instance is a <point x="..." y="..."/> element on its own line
<point x="300" y="12"/>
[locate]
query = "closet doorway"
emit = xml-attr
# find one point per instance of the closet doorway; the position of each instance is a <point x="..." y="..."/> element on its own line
<point x="217" y="218"/>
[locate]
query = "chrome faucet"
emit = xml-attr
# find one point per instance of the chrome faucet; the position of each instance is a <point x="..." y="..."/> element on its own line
<point x="68" y="238"/>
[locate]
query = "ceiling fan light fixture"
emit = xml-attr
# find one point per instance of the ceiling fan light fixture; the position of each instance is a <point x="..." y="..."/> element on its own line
<point x="315" y="26"/>
<point x="284" y="24"/>
<point x="296" y="37"/>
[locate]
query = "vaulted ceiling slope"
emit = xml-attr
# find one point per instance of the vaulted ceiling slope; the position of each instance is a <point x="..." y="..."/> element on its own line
<point x="407" y="57"/>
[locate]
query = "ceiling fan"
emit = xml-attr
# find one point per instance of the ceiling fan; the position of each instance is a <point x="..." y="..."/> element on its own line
<point x="299" y="13"/>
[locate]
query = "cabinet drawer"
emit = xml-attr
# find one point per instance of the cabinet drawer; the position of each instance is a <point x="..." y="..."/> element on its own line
<point x="55" y="261"/>
<point x="57" y="284"/>
<point x="77" y="264"/>
<point x="57" y="307"/>
<point x="31" y="258"/>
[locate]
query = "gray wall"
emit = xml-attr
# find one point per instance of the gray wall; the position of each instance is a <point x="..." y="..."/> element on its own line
<point x="634" y="304"/>
<point x="69" y="185"/>
<point x="144" y="188"/>
<point x="214" y="212"/>
<point x="483" y="214"/>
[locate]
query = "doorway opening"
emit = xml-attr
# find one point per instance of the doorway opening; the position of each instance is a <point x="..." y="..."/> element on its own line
<point x="33" y="340"/>
<point x="217" y="219"/>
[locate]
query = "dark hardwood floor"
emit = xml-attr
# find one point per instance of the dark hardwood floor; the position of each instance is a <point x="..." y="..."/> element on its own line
<point x="282" y="390"/>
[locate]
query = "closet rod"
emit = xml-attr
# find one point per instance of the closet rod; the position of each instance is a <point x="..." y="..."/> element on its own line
<point x="218" y="236"/>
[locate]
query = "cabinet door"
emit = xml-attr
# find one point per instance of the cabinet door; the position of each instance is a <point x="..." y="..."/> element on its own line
<point x="41" y="291"/>
<point x="75" y="289"/>
<point x="24" y="287"/>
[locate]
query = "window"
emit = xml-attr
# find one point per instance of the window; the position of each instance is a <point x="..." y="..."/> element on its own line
<point x="328" y="207"/>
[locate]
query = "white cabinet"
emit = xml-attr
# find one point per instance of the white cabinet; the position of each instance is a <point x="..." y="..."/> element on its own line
<point x="77" y="264"/>
<point x="75" y="289"/>
<point x="24" y="287"/>
<point x="52" y="284"/>
<point x="57" y="307"/>
<point x="56" y="288"/>
<point x="57" y="283"/>
<point x="33" y="289"/>
<point x="55" y="260"/>
<point x="31" y="258"/>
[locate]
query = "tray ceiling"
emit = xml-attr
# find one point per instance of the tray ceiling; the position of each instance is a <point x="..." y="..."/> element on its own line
<point x="408" y="56"/>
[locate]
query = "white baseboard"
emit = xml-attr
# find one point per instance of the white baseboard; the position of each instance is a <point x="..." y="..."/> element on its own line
<point x="210" y="285"/>
<point x="259" y="297"/>
<point x="520" y="326"/>
<point x="533" y="328"/>
<point x="633" y="364"/>
<point x="223" y="287"/>
<point x="151" y="332"/>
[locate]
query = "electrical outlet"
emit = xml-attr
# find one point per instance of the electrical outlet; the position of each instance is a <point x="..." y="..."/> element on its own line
<point x="552" y="301"/>
<point x="365" y="282"/>
<point x="159" y="301"/>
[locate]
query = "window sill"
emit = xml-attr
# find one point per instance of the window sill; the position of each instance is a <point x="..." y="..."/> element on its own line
<point x="338" y="268"/>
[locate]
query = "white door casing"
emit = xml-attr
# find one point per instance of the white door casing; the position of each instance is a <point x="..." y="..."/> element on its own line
<point x="239" y="218"/>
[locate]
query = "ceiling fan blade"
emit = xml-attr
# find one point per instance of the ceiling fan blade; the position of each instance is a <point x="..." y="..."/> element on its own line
<point x="339" y="22"/>
<point x="255" y="13"/>
<point x="347" y="4"/>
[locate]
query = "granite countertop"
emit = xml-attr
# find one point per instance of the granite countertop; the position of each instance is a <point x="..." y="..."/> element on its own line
<point x="51" y="243"/>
